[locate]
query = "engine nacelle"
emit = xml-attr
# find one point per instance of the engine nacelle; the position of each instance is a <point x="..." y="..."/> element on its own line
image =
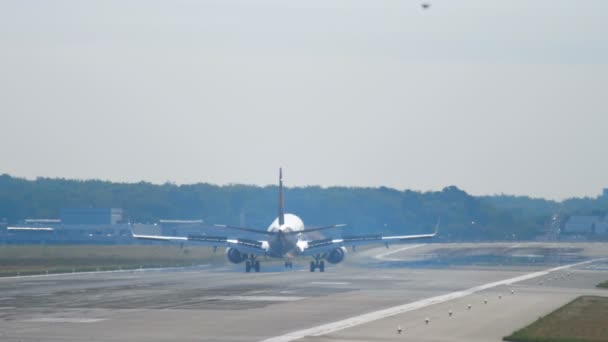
<point x="336" y="255"/>
<point x="235" y="256"/>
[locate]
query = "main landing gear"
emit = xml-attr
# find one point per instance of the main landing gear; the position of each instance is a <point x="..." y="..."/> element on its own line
<point x="320" y="264"/>
<point x="252" y="263"/>
<point x="288" y="264"/>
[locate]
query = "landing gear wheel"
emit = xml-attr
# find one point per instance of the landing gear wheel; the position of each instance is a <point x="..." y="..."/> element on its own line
<point x="247" y="266"/>
<point x="321" y="266"/>
<point x="312" y="266"/>
<point x="256" y="265"/>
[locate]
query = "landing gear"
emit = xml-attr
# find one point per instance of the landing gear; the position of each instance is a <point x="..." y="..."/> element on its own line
<point x="252" y="265"/>
<point x="288" y="264"/>
<point x="320" y="264"/>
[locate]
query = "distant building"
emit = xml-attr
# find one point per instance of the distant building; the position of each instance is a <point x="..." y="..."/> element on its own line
<point x="67" y="234"/>
<point x="146" y="229"/>
<point x="181" y="227"/>
<point x="586" y="225"/>
<point x="96" y="226"/>
<point x="41" y="221"/>
<point x="77" y="225"/>
<point x="605" y="193"/>
<point x="91" y="215"/>
<point x="602" y="226"/>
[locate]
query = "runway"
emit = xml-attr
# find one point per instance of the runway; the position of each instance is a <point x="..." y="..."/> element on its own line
<point x="365" y="299"/>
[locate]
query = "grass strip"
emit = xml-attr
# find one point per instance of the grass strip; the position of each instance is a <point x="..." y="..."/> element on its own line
<point x="584" y="319"/>
<point x="40" y="259"/>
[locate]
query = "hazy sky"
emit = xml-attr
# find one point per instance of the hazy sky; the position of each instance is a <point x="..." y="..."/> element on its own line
<point x="491" y="96"/>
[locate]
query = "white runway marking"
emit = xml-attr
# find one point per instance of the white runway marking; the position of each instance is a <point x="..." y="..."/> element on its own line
<point x="328" y="283"/>
<point x="383" y="256"/>
<point x="597" y="267"/>
<point x="257" y="298"/>
<point x="64" y="320"/>
<point x="40" y="283"/>
<point x="396" y="310"/>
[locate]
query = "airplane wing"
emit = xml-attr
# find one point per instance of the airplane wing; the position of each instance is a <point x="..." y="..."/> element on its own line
<point x="245" y="245"/>
<point x="325" y="245"/>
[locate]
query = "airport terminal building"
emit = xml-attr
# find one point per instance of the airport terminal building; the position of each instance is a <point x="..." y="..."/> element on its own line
<point x="586" y="225"/>
<point x="92" y="226"/>
<point x="75" y="225"/>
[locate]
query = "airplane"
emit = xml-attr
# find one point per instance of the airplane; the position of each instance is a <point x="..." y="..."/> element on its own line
<point x="285" y="239"/>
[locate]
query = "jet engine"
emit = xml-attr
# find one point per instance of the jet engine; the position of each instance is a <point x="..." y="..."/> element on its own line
<point x="235" y="256"/>
<point x="336" y="255"/>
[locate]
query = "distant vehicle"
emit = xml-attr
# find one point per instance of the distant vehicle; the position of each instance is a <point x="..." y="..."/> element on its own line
<point x="285" y="240"/>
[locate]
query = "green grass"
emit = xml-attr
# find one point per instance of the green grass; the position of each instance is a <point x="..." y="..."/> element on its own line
<point x="585" y="319"/>
<point x="603" y="285"/>
<point x="40" y="259"/>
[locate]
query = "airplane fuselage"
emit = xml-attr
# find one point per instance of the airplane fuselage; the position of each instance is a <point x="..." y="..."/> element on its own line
<point x="285" y="245"/>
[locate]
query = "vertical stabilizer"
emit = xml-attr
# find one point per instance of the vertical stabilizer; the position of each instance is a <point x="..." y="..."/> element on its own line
<point x="281" y="200"/>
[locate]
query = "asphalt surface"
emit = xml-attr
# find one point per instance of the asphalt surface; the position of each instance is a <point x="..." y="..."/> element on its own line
<point x="367" y="298"/>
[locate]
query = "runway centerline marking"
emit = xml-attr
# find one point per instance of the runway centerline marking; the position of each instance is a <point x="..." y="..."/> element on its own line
<point x="256" y="298"/>
<point x="396" y="310"/>
<point x="383" y="256"/>
<point x="64" y="320"/>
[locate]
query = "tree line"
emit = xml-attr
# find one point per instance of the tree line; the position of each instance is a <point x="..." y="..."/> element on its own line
<point x="364" y="210"/>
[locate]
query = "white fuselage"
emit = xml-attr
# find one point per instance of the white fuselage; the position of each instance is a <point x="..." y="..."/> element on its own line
<point x="292" y="223"/>
<point x="285" y="244"/>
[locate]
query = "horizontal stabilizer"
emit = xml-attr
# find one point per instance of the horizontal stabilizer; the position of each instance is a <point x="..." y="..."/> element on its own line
<point x="314" y="229"/>
<point x="245" y="229"/>
<point x="289" y="232"/>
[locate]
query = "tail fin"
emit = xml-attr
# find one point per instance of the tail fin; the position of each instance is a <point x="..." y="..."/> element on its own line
<point x="281" y="200"/>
